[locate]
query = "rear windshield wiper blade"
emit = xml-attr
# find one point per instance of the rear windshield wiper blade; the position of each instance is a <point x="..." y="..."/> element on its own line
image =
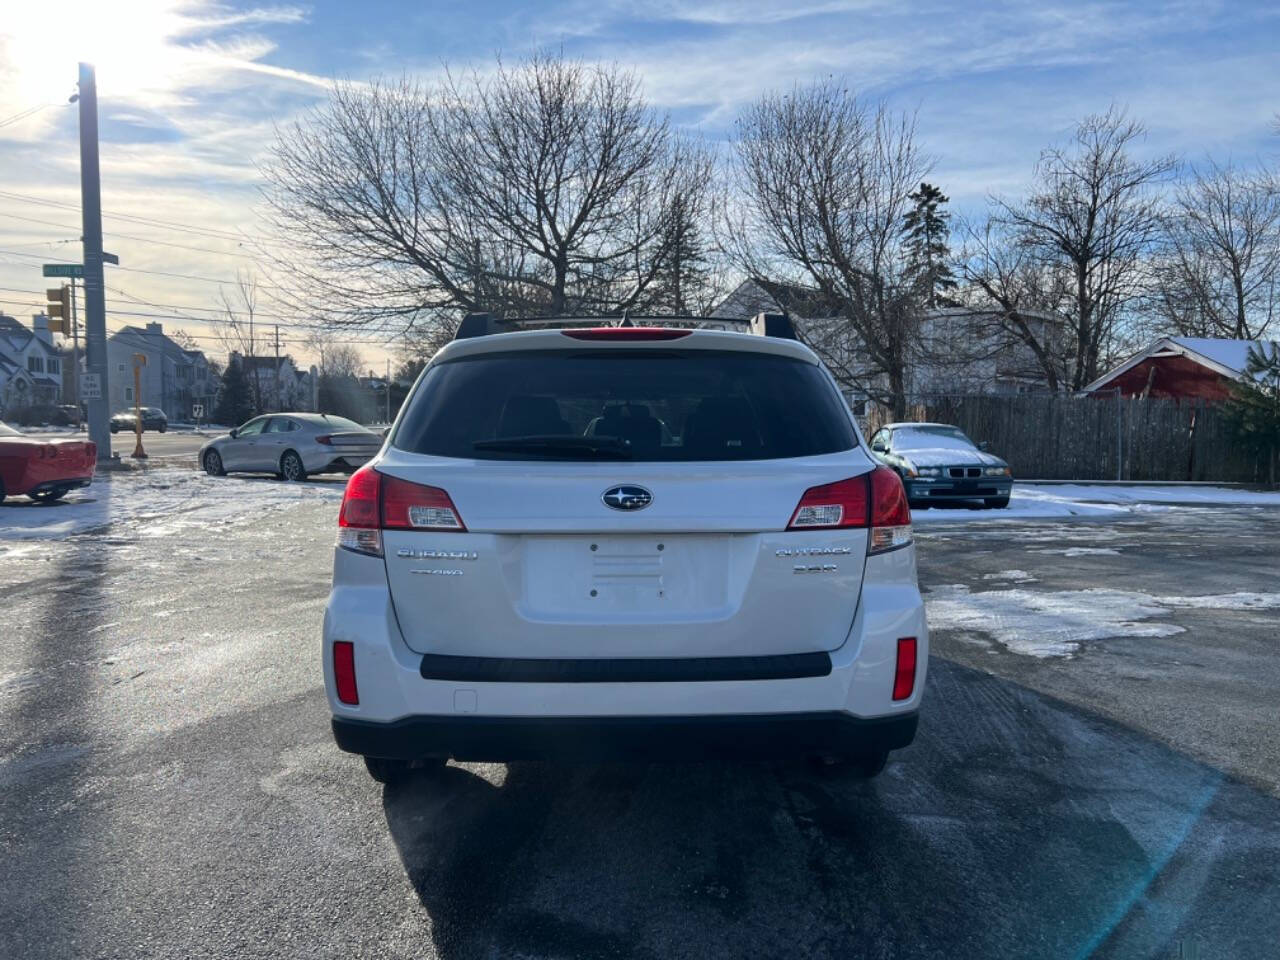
<point x="600" y="448"/>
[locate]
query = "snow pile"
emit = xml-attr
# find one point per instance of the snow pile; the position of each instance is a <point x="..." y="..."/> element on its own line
<point x="1054" y="624"/>
<point x="1041" y="501"/>
<point x="154" y="502"/>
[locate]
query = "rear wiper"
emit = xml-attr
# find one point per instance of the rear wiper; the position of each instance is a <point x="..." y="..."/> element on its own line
<point x="595" y="448"/>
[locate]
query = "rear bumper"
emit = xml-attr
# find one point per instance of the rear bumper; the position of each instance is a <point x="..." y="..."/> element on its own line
<point x="499" y="739"/>
<point x="68" y="483"/>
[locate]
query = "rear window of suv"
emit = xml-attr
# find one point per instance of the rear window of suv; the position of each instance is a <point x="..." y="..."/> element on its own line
<point x="625" y="405"/>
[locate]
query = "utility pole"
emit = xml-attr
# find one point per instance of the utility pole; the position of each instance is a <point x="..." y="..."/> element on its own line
<point x="95" y="304"/>
<point x="388" y="389"/>
<point x="75" y="352"/>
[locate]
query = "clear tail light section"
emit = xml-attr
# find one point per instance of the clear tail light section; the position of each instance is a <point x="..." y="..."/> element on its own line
<point x="875" y="500"/>
<point x="374" y="502"/>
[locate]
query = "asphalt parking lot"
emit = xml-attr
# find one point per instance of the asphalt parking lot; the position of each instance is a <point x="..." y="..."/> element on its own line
<point x="169" y="788"/>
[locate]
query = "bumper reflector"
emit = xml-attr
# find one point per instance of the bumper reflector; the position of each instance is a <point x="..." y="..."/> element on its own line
<point x="904" y="676"/>
<point x="344" y="671"/>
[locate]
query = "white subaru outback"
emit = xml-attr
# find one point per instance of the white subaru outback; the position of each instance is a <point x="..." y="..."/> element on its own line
<point x="624" y="542"/>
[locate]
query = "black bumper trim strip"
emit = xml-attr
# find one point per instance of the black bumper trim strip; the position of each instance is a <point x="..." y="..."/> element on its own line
<point x="660" y="738"/>
<point x="627" y="670"/>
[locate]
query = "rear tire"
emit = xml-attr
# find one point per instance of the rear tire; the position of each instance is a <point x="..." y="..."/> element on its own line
<point x="114" y="428"/>
<point x="163" y="427"/>
<point x="213" y="464"/>
<point x="996" y="503"/>
<point x="386" y="770"/>
<point x="291" y="468"/>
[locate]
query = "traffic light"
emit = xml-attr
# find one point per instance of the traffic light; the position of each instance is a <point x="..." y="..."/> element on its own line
<point x="59" y="309"/>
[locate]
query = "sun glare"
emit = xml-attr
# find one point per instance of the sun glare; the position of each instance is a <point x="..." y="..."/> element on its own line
<point x="135" y="46"/>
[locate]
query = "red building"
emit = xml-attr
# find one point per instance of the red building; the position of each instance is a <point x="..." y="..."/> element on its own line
<point x="1194" y="367"/>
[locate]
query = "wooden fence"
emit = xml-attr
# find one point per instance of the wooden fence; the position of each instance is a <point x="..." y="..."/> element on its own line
<point x="1062" y="437"/>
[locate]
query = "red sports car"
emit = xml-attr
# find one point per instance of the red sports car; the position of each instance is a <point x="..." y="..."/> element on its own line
<point x="43" y="469"/>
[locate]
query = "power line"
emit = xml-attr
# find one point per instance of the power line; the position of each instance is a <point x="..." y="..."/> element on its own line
<point x="153" y="273"/>
<point x="23" y="114"/>
<point x="129" y="236"/>
<point x="134" y="218"/>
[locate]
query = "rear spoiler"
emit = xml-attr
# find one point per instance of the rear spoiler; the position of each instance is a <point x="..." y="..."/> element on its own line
<point x="777" y="325"/>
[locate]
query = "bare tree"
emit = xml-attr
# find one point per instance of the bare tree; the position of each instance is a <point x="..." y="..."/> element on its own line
<point x="1014" y="297"/>
<point x="1094" y="213"/>
<point x="541" y="188"/>
<point x="825" y="180"/>
<point x="1219" y="272"/>
<point x="235" y="329"/>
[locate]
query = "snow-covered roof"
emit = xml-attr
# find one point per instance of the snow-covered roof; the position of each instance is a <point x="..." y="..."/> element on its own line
<point x="1227" y="357"/>
<point x="1232" y="354"/>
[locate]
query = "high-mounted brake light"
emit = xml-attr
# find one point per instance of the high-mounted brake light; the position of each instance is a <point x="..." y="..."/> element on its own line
<point x="627" y="333"/>
<point x="375" y="502"/>
<point x="875" y="500"/>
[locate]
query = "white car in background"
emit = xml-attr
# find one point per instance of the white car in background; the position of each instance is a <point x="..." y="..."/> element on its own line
<point x="624" y="542"/>
<point x="291" y="445"/>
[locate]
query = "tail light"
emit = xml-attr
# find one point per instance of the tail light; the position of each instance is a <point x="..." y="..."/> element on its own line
<point x="326" y="439"/>
<point x="904" y="674"/>
<point x="374" y="502"/>
<point x="344" y="672"/>
<point x="875" y="500"/>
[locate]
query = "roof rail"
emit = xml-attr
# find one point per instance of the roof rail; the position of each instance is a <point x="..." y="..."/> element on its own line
<point x="777" y="325"/>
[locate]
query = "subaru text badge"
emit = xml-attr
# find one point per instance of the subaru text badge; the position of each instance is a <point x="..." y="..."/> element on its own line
<point x="627" y="497"/>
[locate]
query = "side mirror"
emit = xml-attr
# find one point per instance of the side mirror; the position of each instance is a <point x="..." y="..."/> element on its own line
<point x="386" y="432"/>
<point x="879" y="447"/>
<point x="984" y="446"/>
<point x="234" y="433"/>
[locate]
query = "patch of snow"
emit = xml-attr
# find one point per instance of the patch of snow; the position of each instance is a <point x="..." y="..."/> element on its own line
<point x="1079" y="551"/>
<point x="156" y="501"/>
<point x="1054" y="624"/>
<point x="1044" y="624"/>
<point x="1069" y="500"/>
<point x="1016" y="576"/>
<point x="1242" y="600"/>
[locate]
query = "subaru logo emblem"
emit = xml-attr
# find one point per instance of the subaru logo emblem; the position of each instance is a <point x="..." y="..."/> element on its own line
<point x="627" y="497"/>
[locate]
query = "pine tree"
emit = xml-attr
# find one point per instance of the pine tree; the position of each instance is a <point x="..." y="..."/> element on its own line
<point x="926" y="233"/>
<point x="235" y="400"/>
<point x="1253" y="413"/>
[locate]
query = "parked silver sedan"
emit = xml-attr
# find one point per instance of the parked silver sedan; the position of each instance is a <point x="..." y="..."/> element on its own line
<point x="291" y="445"/>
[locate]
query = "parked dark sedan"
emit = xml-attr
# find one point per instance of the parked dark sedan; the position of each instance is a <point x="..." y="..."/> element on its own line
<point x="153" y="418"/>
<point x="939" y="464"/>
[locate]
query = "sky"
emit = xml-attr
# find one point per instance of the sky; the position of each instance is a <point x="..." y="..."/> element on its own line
<point x="190" y="92"/>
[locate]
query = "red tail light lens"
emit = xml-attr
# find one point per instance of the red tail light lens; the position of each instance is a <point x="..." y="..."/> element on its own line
<point x="414" y="506"/>
<point x="890" y="512"/>
<point x="876" y="500"/>
<point x="627" y="333"/>
<point x="360" y="502"/>
<point x="904" y="674"/>
<point x="840" y="504"/>
<point x="344" y="672"/>
<point x="326" y="439"/>
<point x="375" y="502"/>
